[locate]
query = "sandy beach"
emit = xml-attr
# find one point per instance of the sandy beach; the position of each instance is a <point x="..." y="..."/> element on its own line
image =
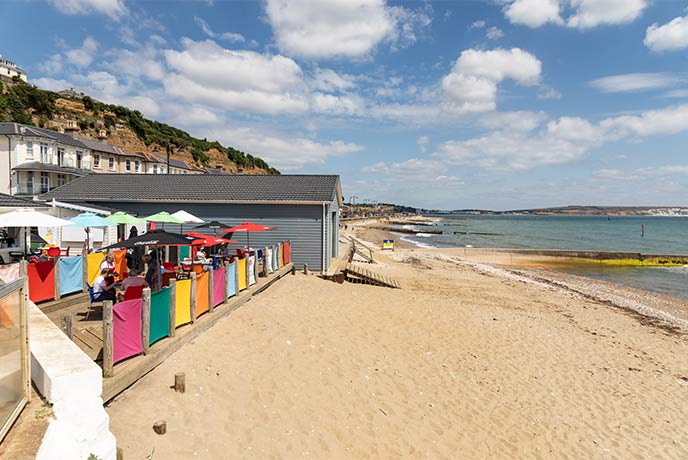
<point x="465" y="361"/>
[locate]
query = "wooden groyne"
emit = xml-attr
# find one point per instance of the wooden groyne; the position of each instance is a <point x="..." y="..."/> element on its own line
<point x="578" y="256"/>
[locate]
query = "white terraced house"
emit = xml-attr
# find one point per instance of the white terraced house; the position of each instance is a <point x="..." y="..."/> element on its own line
<point x="35" y="160"/>
<point x="9" y="69"/>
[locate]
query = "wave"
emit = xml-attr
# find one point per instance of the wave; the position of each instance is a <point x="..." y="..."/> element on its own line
<point x="416" y="243"/>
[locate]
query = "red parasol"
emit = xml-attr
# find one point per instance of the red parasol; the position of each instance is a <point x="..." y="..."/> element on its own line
<point x="248" y="227"/>
<point x="208" y="240"/>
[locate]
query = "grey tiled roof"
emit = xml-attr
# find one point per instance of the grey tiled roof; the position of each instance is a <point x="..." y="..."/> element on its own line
<point x="38" y="166"/>
<point x="100" y="146"/>
<point x="27" y="130"/>
<point x="229" y="188"/>
<point x="9" y="201"/>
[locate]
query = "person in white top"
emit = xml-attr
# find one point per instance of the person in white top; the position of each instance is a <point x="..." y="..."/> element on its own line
<point x="101" y="289"/>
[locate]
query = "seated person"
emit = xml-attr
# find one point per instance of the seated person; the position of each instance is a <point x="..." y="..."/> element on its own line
<point x="200" y="254"/>
<point x="109" y="264"/>
<point x="134" y="279"/>
<point x="102" y="290"/>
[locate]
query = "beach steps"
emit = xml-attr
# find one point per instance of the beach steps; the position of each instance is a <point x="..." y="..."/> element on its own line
<point x="90" y="340"/>
<point x="362" y="250"/>
<point x="364" y="275"/>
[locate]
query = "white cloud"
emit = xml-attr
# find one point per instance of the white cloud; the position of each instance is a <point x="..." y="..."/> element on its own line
<point x="547" y="92"/>
<point x="51" y="84"/>
<point x="113" y="8"/>
<point x="494" y="33"/>
<point x="53" y="65"/>
<point x="329" y="80"/>
<point x="633" y="82"/>
<point x="147" y="62"/>
<point x="677" y="93"/>
<point x="283" y="152"/>
<point x="414" y="170"/>
<point x="423" y="142"/>
<point x="83" y="57"/>
<point x="671" y="36"/>
<point x="477" y="25"/>
<point x="341" y="28"/>
<point x="583" y="14"/>
<point x="518" y="121"/>
<point x="533" y="13"/>
<point x="472" y="84"/>
<point x="337" y="105"/>
<point x="229" y="36"/>
<point x="592" y="13"/>
<point x="641" y="173"/>
<point x="208" y="74"/>
<point x="564" y="140"/>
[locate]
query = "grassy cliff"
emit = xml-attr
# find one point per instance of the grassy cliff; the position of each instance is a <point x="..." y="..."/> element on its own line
<point x="120" y="126"/>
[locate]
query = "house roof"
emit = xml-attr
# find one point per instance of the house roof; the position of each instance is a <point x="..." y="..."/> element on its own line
<point x="19" y="129"/>
<point x="200" y="188"/>
<point x="38" y="166"/>
<point x="106" y="148"/>
<point x="9" y="201"/>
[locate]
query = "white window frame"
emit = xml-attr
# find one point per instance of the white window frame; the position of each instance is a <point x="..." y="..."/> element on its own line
<point x="96" y="160"/>
<point x="137" y="166"/>
<point x="155" y="169"/>
<point x="111" y="163"/>
<point x="44" y="150"/>
<point x="45" y="183"/>
<point x="60" y="153"/>
<point x="29" y="149"/>
<point x="127" y="165"/>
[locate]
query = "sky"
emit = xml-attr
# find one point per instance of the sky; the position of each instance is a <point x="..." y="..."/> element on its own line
<point x="494" y="104"/>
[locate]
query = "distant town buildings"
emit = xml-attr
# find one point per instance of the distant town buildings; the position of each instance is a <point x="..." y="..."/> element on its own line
<point x="36" y="160"/>
<point x="9" y="69"/>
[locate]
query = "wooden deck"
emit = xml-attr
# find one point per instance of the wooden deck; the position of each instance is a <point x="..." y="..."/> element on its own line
<point x="87" y="333"/>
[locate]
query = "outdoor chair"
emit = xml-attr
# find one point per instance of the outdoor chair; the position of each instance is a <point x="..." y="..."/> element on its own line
<point x="54" y="252"/>
<point x="64" y="252"/>
<point x="169" y="266"/>
<point x="93" y="302"/>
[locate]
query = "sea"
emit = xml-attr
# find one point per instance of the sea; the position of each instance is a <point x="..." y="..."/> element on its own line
<point x="643" y="234"/>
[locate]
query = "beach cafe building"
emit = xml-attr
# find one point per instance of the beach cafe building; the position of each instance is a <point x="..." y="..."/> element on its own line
<point x="303" y="208"/>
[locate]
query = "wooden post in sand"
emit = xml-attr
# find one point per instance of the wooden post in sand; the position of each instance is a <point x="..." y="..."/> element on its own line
<point x="211" y="289"/>
<point x="193" y="297"/>
<point x="145" y="320"/>
<point x="179" y="382"/>
<point x="173" y="306"/>
<point x="107" y="339"/>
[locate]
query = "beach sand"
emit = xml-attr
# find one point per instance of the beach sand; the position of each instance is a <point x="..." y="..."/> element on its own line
<point x="459" y="363"/>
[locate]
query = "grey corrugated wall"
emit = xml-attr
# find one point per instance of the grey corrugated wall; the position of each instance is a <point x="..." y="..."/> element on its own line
<point x="302" y="224"/>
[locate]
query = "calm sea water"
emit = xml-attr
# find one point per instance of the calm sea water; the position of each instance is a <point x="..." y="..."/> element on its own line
<point x="662" y="235"/>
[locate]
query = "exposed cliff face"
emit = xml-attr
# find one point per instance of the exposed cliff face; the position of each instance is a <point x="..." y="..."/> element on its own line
<point x="119" y="126"/>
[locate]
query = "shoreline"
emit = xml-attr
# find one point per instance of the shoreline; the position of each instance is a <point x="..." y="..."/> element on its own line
<point x="664" y="311"/>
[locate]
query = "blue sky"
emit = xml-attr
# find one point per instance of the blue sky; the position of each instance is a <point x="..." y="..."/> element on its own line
<point x="496" y="104"/>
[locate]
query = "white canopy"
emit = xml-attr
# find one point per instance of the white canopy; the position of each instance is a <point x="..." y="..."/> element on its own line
<point x="29" y="218"/>
<point x="187" y="217"/>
